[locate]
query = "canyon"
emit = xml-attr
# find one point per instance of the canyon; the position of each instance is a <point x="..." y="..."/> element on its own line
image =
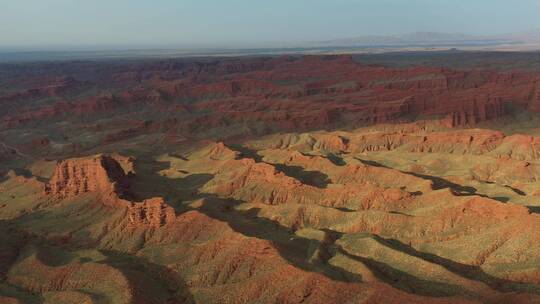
<point x="286" y="179"/>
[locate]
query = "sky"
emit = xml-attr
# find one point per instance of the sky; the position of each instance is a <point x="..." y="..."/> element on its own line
<point x="247" y="23"/>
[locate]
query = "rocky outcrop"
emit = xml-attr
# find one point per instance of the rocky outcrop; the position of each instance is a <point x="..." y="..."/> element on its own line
<point x="475" y="112"/>
<point x="293" y="178"/>
<point x="469" y="141"/>
<point x="74" y="177"/>
<point x="518" y="146"/>
<point x="256" y="182"/>
<point x="151" y="213"/>
<point x="105" y="177"/>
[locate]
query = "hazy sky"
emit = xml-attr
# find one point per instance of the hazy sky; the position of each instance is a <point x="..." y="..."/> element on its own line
<point x="98" y="23"/>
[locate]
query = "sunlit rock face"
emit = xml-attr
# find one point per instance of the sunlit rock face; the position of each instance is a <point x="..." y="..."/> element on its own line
<point x="73" y="177"/>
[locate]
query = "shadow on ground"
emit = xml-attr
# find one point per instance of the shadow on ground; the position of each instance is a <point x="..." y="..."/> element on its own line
<point x="308" y="254"/>
<point x="439" y="182"/>
<point x="308" y="177"/>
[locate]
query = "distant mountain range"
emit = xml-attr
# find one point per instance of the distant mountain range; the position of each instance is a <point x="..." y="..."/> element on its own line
<point x="526" y="41"/>
<point x="431" y="39"/>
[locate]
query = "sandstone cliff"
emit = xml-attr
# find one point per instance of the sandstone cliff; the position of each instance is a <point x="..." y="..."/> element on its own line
<point x="104" y="177"/>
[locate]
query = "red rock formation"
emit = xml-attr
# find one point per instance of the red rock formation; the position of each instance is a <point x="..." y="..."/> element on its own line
<point x="74" y="177"/>
<point x="105" y="177"/>
<point x="151" y="213"/>
<point x="288" y="94"/>
<point x="45" y="88"/>
<point x="359" y="186"/>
